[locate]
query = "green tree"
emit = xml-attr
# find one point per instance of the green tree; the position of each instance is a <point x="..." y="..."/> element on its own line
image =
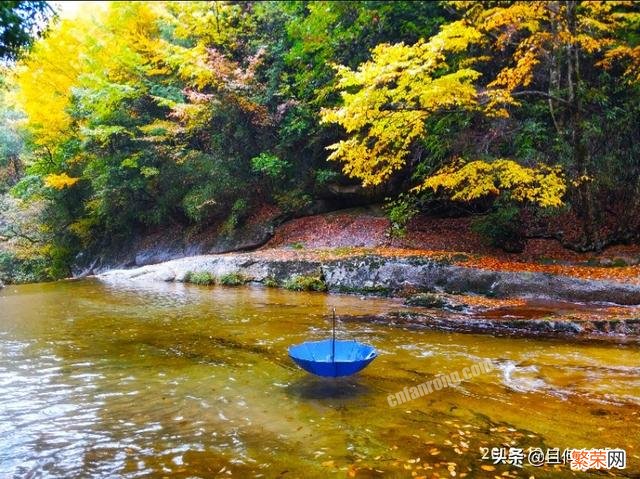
<point x="20" y="23"/>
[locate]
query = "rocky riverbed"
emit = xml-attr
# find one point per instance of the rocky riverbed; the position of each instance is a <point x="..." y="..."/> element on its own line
<point x="411" y="277"/>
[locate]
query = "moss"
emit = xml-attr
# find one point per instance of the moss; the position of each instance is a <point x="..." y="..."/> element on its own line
<point x="233" y="279"/>
<point x="426" y="300"/>
<point x="201" y="277"/>
<point x="297" y="245"/>
<point x="546" y="260"/>
<point x="618" y="263"/>
<point x="305" y="283"/>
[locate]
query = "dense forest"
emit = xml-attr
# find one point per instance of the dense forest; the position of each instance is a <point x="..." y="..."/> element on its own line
<point x="134" y="116"/>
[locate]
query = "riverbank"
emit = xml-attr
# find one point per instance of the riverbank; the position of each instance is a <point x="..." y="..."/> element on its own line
<point x="478" y="300"/>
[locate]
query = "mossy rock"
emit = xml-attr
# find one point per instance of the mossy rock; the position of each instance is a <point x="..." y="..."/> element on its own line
<point x="432" y="300"/>
<point x="426" y="300"/>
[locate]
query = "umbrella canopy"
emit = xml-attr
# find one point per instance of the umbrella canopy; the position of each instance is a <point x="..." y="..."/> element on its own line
<point x="331" y="357"/>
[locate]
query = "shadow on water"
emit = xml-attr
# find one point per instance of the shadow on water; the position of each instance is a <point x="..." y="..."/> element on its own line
<point x="312" y="387"/>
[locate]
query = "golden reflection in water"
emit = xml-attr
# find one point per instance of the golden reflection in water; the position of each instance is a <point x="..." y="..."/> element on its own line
<point x="119" y="380"/>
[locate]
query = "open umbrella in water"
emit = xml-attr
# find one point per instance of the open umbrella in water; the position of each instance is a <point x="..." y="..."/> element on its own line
<point x="331" y="357"/>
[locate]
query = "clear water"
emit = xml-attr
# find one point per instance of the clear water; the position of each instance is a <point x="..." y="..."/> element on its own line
<point x="116" y="380"/>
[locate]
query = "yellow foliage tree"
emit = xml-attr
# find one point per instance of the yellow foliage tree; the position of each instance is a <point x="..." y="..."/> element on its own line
<point x="553" y="37"/>
<point x="99" y="46"/>
<point x="46" y="77"/>
<point x="387" y="100"/>
<point x="543" y="186"/>
<point x="59" y="182"/>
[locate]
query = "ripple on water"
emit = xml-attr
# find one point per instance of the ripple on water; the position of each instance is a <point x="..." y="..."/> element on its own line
<point x="175" y="381"/>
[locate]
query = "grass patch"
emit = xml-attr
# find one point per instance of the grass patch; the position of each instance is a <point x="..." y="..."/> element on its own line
<point x="202" y="278"/>
<point x="305" y="283"/>
<point x="271" y="282"/>
<point x="297" y="245"/>
<point x="233" y="279"/>
<point x="546" y="260"/>
<point x="347" y="251"/>
<point x="619" y="263"/>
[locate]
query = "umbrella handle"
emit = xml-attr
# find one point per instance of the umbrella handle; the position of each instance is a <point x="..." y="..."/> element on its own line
<point x="333" y="342"/>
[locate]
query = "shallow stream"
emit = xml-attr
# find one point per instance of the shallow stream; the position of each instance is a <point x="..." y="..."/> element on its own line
<point x="119" y="380"/>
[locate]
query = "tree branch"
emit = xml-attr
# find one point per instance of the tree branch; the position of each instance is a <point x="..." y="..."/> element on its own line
<point x="541" y="93"/>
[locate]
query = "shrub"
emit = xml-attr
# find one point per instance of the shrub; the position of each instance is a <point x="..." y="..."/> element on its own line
<point x="292" y="201"/>
<point x="400" y="211"/>
<point x="271" y="282"/>
<point x="20" y="270"/>
<point x="269" y="165"/>
<point x="238" y="213"/>
<point x="305" y="283"/>
<point x="502" y="228"/>
<point x="201" y="277"/>
<point x="326" y="176"/>
<point x="233" y="279"/>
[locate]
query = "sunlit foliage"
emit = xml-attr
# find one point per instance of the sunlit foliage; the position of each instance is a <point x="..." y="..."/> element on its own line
<point x="546" y="65"/>
<point x="60" y="181"/>
<point x="395" y="93"/>
<point x="477" y="179"/>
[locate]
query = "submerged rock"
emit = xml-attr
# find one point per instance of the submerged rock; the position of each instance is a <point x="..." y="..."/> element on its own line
<point x="433" y="300"/>
<point x="627" y="330"/>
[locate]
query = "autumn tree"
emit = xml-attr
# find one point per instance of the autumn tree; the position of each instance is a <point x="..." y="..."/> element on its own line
<point x="564" y="52"/>
<point x="491" y="65"/>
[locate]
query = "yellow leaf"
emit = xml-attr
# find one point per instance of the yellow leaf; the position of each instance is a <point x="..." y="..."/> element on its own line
<point x="59" y="182"/>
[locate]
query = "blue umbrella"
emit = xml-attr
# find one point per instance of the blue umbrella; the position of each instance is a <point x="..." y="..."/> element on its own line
<point x="331" y="357"/>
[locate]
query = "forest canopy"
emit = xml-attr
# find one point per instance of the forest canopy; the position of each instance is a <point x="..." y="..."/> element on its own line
<point x="135" y="116"/>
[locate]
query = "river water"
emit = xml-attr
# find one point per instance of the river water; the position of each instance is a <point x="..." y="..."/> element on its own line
<point x="119" y="380"/>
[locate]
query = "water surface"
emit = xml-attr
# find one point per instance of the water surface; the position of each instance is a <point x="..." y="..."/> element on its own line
<point x="119" y="380"/>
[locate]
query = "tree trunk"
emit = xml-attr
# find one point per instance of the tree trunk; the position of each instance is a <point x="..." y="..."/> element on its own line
<point x="584" y="204"/>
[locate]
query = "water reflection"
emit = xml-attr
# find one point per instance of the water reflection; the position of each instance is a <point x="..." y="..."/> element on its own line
<point x="328" y="389"/>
